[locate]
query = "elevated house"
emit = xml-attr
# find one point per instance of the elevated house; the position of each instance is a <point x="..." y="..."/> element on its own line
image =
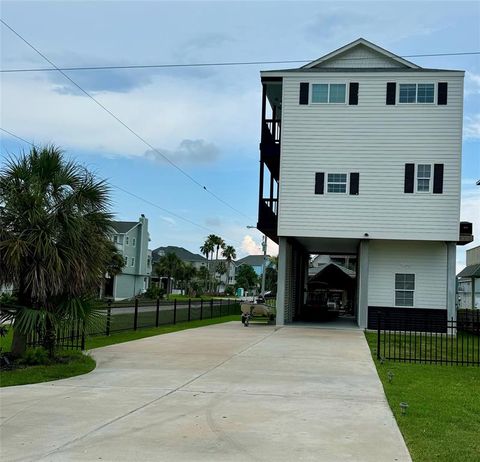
<point x="360" y="155"/>
<point x="131" y="239"/>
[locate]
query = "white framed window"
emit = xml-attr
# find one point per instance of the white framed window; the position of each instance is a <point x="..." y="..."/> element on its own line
<point x="134" y="241"/>
<point x="125" y="260"/>
<point x="333" y="93"/>
<point x="424" y="178"/>
<point x="421" y="93"/>
<point x="133" y="262"/>
<point x="404" y="289"/>
<point x="337" y="183"/>
<point x="126" y="240"/>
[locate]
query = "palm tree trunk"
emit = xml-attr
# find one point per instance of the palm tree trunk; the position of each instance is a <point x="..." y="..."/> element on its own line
<point x="19" y="344"/>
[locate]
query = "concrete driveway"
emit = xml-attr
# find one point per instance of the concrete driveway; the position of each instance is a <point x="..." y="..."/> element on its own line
<point x="217" y="393"/>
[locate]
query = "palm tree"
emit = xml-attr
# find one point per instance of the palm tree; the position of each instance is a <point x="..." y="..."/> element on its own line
<point x="189" y="273"/>
<point x="54" y="241"/>
<point x="169" y="266"/>
<point x="218" y="242"/>
<point x="230" y="254"/>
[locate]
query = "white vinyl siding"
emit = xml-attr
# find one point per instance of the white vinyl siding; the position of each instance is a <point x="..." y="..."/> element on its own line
<point x="426" y="260"/>
<point x="377" y="141"/>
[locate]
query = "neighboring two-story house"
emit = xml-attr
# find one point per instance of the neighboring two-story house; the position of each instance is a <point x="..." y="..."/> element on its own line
<point x="468" y="287"/>
<point x="131" y="239"/>
<point x="360" y="155"/>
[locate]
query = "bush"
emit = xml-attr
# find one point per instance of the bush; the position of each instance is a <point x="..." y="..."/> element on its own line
<point x="35" y="357"/>
<point x="154" y="292"/>
<point x="229" y="290"/>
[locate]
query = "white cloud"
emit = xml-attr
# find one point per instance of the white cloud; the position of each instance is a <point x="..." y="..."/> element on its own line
<point x="472" y="83"/>
<point x="188" y="151"/>
<point x="168" y="219"/>
<point x="164" y="113"/>
<point x="250" y="246"/>
<point x="471" y="129"/>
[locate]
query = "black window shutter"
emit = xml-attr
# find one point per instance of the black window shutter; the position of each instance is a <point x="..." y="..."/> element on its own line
<point x="442" y="93"/>
<point x="304" y="93"/>
<point x="319" y="182"/>
<point x="391" y="91"/>
<point x="438" y="179"/>
<point x="409" y="178"/>
<point x="353" y="94"/>
<point x="354" y="183"/>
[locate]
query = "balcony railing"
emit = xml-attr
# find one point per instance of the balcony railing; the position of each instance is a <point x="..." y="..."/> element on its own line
<point x="271" y="131"/>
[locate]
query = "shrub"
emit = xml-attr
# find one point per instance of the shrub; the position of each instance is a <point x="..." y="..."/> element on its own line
<point x="35" y="357"/>
<point x="154" y="292"/>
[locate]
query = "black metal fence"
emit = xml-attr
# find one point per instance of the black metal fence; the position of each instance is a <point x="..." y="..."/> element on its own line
<point x="137" y="314"/>
<point x="458" y="343"/>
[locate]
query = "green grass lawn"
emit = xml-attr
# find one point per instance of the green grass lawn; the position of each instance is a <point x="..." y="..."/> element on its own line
<point x="76" y="363"/>
<point x="443" y="419"/>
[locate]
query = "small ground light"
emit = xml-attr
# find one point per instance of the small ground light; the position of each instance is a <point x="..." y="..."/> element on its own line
<point x="390" y="376"/>
<point x="404" y="407"/>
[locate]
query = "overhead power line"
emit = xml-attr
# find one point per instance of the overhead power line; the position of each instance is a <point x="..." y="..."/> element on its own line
<point x="126" y="191"/>
<point x="121" y="122"/>
<point x="213" y="64"/>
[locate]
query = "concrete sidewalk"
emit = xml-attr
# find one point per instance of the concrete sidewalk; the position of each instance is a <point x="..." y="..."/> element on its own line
<point x="217" y="393"/>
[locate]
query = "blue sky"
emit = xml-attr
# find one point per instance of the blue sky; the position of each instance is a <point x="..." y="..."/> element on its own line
<point x="206" y="119"/>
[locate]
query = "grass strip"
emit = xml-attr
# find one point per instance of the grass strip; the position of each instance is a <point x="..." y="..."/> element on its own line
<point x="443" y="415"/>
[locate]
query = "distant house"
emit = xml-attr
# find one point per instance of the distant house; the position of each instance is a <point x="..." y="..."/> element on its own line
<point x="255" y="261"/>
<point x="131" y="239"/>
<point x="185" y="255"/>
<point x="468" y="286"/>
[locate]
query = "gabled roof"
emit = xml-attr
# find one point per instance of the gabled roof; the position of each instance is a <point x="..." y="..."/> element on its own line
<point x="322" y="267"/>
<point x="180" y="252"/>
<point x="472" y="271"/>
<point x="123" y="227"/>
<point x="357" y="43"/>
<point x="252" y="260"/>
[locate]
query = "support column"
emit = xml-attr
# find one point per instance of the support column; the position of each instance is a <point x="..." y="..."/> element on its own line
<point x="451" y="279"/>
<point x="363" y="267"/>
<point x="281" y="280"/>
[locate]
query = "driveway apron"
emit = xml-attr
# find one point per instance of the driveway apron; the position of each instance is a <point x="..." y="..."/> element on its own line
<point x="216" y="393"/>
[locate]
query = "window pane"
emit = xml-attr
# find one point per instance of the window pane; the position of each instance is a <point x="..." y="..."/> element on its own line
<point x="423" y="185"/>
<point x="337" y="177"/>
<point x="407" y="92"/>
<point x="403" y="298"/>
<point x="337" y="93"/>
<point x="425" y="93"/>
<point x="337" y="187"/>
<point x="424" y="171"/>
<point x="404" y="281"/>
<point x="320" y="93"/>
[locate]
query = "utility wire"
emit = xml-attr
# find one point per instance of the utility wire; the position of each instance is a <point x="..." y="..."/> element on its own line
<point x="133" y="132"/>
<point x="214" y="64"/>
<point x="176" y="215"/>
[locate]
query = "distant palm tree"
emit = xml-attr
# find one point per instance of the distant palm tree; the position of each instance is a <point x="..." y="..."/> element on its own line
<point x="189" y="274"/>
<point x="230" y="255"/>
<point x="169" y="266"/>
<point x="54" y="241"/>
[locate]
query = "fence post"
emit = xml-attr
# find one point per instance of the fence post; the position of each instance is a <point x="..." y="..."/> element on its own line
<point x="175" y="311"/>
<point x="157" y="314"/>
<point x="221" y="303"/>
<point x="211" y="308"/>
<point x="378" y="335"/>
<point x="83" y="336"/>
<point x="109" y="318"/>
<point x="135" y="318"/>
<point x="201" y="309"/>
<point x="189" y="309"/>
